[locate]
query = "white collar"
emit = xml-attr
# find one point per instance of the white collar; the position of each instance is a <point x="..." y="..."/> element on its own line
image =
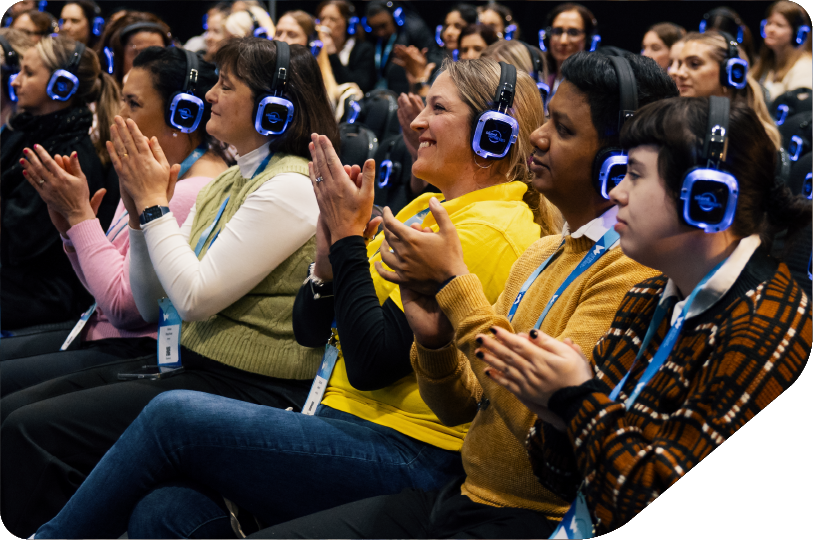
<point x="249" y="163"/>
<point x="595" y="229"/>
<point x="719" y="284"/>
<point x="344" y="54"/>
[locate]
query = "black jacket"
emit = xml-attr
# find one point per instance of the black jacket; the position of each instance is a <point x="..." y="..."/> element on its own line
<point x="360" y="68"/>
<point x="37" y="283"/>
<point x="414" y="32"/>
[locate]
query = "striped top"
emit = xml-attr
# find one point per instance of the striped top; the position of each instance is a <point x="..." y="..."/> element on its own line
<point x="729" y="362"/>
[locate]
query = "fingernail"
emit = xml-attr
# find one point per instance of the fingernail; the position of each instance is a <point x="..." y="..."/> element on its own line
<point x="37" y="147"/>
<point x="25" y="151"/>
<point x="22" y="162"/>
<point x="479" y="340"/>
<point x="25" y="173"/>
<point x="479" y="354"/>
<point x="534" y="334"/>
<point x="493" y="330"/>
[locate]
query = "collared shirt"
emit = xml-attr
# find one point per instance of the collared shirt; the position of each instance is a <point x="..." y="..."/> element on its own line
<point x="595" y="229"/>
<point x="719" y="284"/>
<point x="344" y="54"/>
<point x="248" y="164"/>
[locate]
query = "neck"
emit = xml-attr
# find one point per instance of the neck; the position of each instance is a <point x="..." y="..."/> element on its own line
<point x="250" y="142"/>
<point x="785" y="55"/>
<point x="471" y="180"/>
<point x="339" y="43"/>
<point x="176" y="149"/>
<point x="707" y="251"/>
<point x="580" y="214"/>
<point x="50" y="106"/>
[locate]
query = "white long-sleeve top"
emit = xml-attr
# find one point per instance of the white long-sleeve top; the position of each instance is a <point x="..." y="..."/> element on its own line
<point x="273" y="222"/>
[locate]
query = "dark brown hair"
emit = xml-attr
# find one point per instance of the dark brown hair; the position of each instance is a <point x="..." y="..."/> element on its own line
<point x="796" y="16"/>
<point x="251" y="60"/>
<point x="669" y="33"/>
<point x="485" y="31"/>
<point x="44" y="21"/>
<point x="112" y="37"/>
<point x="304" y="20"/>
<point x="678" y="127"/>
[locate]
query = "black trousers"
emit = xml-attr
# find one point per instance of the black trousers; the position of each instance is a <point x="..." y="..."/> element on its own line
<point x="54" y="433"/>
<point x="36" y="340"/>
<point x="416" y="514"/>
<point x="20" y="373"/>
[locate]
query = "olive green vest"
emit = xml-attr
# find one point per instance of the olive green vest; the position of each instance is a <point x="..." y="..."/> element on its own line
<point x="255" y="333"/>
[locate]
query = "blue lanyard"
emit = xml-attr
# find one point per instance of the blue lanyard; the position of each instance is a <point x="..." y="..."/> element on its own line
<point x="596" y="252"/>
<point x="190" y="160"/>
<point x="381" y="62"/>
<point x="666" y="347"/>
<point x="107" y="234"/>
<point x="261" y="167"/>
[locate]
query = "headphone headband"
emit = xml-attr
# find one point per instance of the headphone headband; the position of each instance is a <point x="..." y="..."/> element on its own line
<point x="12" y="62"/>
<point x="627" y="89"/>
<point x="192" y="68"/>
<point x="715" y="146"/>
<point x="504" y="96"/>
<point x="144" y="25"/>
<point x="76" y="58"/>
<point x="280" y="77"/>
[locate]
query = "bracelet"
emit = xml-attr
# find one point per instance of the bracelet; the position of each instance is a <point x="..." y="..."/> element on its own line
<point x="319" y="287"/>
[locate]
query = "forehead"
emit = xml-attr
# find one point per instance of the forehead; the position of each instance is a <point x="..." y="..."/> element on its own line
<point x="569" y="100"/>
<point x="695" y="48"/>
<point x="444" y="88"/>
<point x="330" y="11"/>
<point x="145" y="39"/>
<point x="289" y="23"/>
<point x="32" y="59"/>
<point x="473" y="39"/>
<point x="138" y="82"/>
<point x="569" y="19"/>
<point x="380" y="18"/>
<point x="652" y="37"/>
<point x="72" y="11"/>
<point x="453" y="17"/>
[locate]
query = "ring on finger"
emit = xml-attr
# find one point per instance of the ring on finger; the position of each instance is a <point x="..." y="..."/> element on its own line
<point x="41" y="181"/>
<point x="319" y="179"/>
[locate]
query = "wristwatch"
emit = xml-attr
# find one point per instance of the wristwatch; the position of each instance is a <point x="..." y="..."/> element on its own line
<point x="152" y="213"/>
<point x="319" y="287"/>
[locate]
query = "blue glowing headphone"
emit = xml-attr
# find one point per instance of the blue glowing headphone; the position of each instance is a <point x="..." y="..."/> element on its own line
<point x="389" y="170"/>
<point x="715" y="12"/>
<point x="797" y="147"/>
<point x="709" y="194"/>
<point x="807" y="186"/>
<point x="63" y="83"/>
<point x="257" y="30"/>
<point x="397" y="13"/>
<point x="355" y="111"/>
<point x="272" y="112"/>
<point x="438" y="36"/>
<point x="781" y="114"/>
<point x="10" y="68"/>
<point x="510" y="30"/>
<point x="316" y="47"/>
<point x="610" y="163"/>
<point x="801" y="31"/>
<point x="733" y="69"/>
<point x="352" y="23"/>
<point x="184" y="109"/>
<point x="494" y="131"/>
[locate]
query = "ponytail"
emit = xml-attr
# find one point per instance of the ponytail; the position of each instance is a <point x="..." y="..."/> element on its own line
<point x="107" y="106"/>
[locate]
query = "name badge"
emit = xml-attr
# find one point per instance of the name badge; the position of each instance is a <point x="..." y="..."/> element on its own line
<point x="78" y="328"/>
<point x="169" y="334"/>
<point x="577" y="522"/>
<point x="322" y="377"/>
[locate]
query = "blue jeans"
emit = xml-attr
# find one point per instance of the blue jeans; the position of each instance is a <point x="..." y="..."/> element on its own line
<point x="278" y="465"/>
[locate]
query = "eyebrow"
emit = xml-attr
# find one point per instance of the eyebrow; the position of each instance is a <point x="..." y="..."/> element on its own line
<point x="559" y="116"/>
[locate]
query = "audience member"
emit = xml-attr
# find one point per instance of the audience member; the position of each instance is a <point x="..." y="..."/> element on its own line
<point x="352" y="59"/>
<point x="500" y="18"/>
<point x="215" y="29"/>
<point x="248" y="22"/>
<point x="81" y="20"/>
<point x="474" y="39"/>
<point x="674" y="59"/>
<point x="729" y="343"/>
<point x="725" y="19"/>
<point x="14" y="44"/>
<point x="359" y="443"/>
<point x="658" y="41"/>
<point x="234" y="291"/>
<point x="36" y="24"/>
<point x="127" y="36"/>
<point x="702" y="72"/>
<point x="784" y="64"/>
<point x="519" y="54"/>
<point x="459" y="17"/>
<point x="38" y="285"/>
<point x="115" y="330"/>
<point x="570" y="28"/>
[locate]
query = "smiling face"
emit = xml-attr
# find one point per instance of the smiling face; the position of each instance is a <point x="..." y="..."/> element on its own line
<point x="141" y="102"/>
<point x="472" y="47"/>
<point x="30" y="85"/>
<point x="648" y="223"/>
<point x="699" y="73"/>
<point x="232" y="109"/>
<point x="563" y="46"/>
<point x="652" y="47"/>
<point x="289" y="31"/>
<point x="74" y="24"/>
<point x="444" y="127"/>
<point x="215" y="33"/>
<point x="452" y="26"/>
<point x="564" y="149"/>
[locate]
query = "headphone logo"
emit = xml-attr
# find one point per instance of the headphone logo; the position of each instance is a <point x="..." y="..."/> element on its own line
<point x="707" y="202"/>
<point x="62" y="86"/>
<point x="494" y="136"/>
<point x="617" y="179"/>
<point x="185" y="113"/>
<point x="273" y="117"/>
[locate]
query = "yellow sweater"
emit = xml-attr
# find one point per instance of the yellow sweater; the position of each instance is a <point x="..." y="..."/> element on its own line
<point x="452" y="382"/>
<point x="495" y="227"/>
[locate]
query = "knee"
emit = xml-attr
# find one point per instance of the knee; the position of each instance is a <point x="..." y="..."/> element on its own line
<point x="179" y="510"/>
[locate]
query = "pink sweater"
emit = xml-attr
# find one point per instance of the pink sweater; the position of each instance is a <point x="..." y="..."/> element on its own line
<point x="103" y="266"/>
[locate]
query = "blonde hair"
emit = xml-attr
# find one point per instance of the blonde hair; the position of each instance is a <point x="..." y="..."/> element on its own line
<point x="95" y="86"/>
<point x="752" y="93"/>
<point x="239" y="23"/>
<point x="476" y="82"/>
<point x="18" y="40"/>
<point x="516" y="53"/>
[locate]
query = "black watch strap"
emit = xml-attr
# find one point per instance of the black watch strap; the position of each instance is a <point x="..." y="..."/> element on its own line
<point x="152" y="213"/>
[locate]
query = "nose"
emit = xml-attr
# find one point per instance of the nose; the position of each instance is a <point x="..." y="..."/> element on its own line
<point x="420" y="123"/>
<point x="618" y="195"/>
<point x="210" y="95"/>
<point x="539" y="140"/>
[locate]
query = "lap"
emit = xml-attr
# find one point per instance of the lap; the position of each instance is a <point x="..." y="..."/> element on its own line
<point x="34" y="341"/>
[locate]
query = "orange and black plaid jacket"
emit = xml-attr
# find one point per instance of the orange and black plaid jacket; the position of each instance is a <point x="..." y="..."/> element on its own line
<point x="728" y="364"/>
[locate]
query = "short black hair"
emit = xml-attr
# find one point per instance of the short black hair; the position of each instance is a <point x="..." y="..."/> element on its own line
<point x="467" y="12"/>
<point x="594" y="75"/>
<point x="379" y="6"/>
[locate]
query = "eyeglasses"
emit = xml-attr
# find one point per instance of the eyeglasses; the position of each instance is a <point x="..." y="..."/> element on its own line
<point x="572" y="32"/>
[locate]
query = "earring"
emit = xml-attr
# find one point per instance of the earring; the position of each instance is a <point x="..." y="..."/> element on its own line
<point x="174" y="133"/>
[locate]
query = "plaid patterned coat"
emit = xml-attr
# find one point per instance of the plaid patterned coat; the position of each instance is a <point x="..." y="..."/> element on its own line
<point x="728" y="364"/>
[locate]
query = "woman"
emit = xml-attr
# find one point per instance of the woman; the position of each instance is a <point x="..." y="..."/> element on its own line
<point x="784" y="64"/>
<point x="13" y="48"/>
<point x="115" y="330"/>
<point x="36" y="24"/>
<point x="716" y="379"/>
<point x="448" y="34"/>
<point x="474" y="39"/>
<point x="81" y="20"/>
<point x="248" y="22"/>
<point x="674" y="60"/>
<point x="351" y="58"/>
<point x="38" y="284"/>
<point x="233" y="284"/>
<point x="698" y="75"/>
<point x="215" y="29"/>
<point x="380" y="441"/>
<point x="124" y="38"/>
<point x="569" y="30"/>
<point x="658" y="41"/>
<point x="499" y="17"/>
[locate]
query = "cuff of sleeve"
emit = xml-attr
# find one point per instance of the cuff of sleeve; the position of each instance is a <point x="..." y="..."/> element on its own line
<point x="86" y="233"/>
<point x="461" y="296"/>
<point x="346" y="245"/>
<point x="552" y="459"/>
<point x="435" y="363"/>
<point x="158" y="222"/>
<point x="566" y="402"/>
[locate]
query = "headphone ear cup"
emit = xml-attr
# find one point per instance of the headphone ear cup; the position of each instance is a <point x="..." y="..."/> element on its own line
<point x="609" y="168"/>
<point x="272" y="114"/>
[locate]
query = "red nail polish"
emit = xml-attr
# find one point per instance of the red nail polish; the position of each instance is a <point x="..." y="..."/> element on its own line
<point x="22" y="162"/>
<point x="25" y="173"/>
<point x="25" y="151"/>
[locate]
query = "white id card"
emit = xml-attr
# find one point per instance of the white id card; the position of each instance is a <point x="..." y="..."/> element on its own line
<point x="78" y="328"/>
<point x="169" y="334"/>
<point x="322" y="377"/>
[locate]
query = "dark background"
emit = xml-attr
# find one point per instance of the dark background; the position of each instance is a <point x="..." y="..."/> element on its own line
<point x="622" y="24"/>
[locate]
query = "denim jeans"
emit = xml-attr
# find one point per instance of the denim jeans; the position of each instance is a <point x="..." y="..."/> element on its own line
<point x="278" y="465"/>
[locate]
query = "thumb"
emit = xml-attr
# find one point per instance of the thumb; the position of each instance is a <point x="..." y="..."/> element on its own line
<point x="442" y="218"/>
<point x="372" y="227"/>
<point x="96" y="200"/>
<point x="368" y="179"/>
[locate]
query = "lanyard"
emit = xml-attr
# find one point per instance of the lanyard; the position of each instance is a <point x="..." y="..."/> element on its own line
<point x="594" y="254"/>
<point x="577" y="522"/>
<point x="113" y="226"/>
<point x="190" y="160"/>
<point x="319" y="385"/>
<point x="381" y="62"/>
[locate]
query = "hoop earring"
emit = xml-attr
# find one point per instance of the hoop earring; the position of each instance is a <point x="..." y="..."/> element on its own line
<point x="474" y="158"/>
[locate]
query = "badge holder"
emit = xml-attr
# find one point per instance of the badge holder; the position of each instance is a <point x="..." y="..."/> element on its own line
<point x="323" y="375"/>
<point x="78" y="328"/>
<point x="169" y="335"/>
